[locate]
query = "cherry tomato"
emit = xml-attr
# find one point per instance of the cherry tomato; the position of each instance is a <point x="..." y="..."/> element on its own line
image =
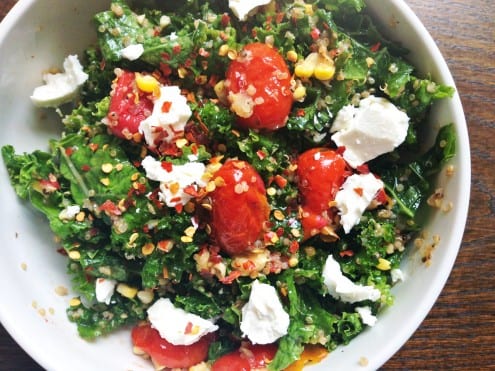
<point x="128" y="106"/>
<point x="239" y="207"/>
<point x="258" y="87"/>
<point x="164" y="354"/>
<point x="246" y="358"/>
<point x="321" y="172"/>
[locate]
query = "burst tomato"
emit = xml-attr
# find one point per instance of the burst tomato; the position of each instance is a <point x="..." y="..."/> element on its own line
<point x="250" y="357"/>
<point x="148" y="340"/>
<point x="128" y="106"/>
<point x="258" y="87"/>
<point x="321" y="172"/>
<point x="239" y="207"/>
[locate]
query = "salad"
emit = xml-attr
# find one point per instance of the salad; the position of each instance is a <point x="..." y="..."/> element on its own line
<point x="236" y="184"/>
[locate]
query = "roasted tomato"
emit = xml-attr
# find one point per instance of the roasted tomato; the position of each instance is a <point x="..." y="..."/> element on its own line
<point x="128" y="106"/>
<point x="258" y="87"/>
<point x="321" y="172"/>
<point x="239" y="207"/>
<point x="248" y="357"/>
<point x="146" y="339"/>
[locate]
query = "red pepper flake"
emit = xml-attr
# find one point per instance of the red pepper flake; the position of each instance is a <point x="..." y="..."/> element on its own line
<point x="85" y="168"/>
<point x="62" y="251"/>
<point x="167" y="166"/>
<point x="231" y="277"/>
<point x="225" y="20"/>
<point x="166" y="106"/>
<point x="102" y="64"/>
<point x="176" y="49"/>
<point x="280" y="18"/>
<point x="293" y="247"/>
<point x="375" y="47"/>
<point x="166" y="56"/>
<point x="188" y="329"/>
<point x="93" y="146"/>
<point x="341" y="150"/>
<point x="191" y="191"/>
<point x="194" y="149"/>
<point x="346" y="253"/>
<point x="110" y="208"/>
<point x="69" y="151"/>
<point x="188" y="63"/>
<point x="280" y="232"/>
<point x="248" y="265"/>
<point x="261" y="155"/>
<point x="315" y="33"/>
<point x="204" y="53"/>
<point x="49" y="185"/>
<point x="359" y="191"/>
<point x="179" y="207"/>
<point x="165" y="69"/>
<point x="381" y="196"/>
<point x="280" y="181"/>
<point x="300" y="112"/>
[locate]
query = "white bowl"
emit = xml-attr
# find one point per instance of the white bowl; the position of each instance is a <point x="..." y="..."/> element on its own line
<point x="33" y="38"/>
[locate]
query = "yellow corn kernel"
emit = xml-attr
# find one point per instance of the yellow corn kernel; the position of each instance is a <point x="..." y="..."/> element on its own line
<point x="300" y="93"/>
<point x="304" y="71"/>
<point x="223" y="50"/>
<point x="383" y="264"/>
<point x="148" y="249"/>
<point x="324" y="70"/>
<point x="126" y="291"/>
<point x="74" y="302"/>
<point x="146" y="83"/>
<point x="292" y="56"/>
<point x="308" y="9"/>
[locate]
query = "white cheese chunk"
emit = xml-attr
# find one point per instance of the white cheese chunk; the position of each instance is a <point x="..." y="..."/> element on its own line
<point x="397" y="275"/>
<point x="355" y="196"/>
<point x="264" y="320"/>
<point x="242" y="8"/>
<point x="366" y="316"/>
<point x="60" y="88"/>
<point x="173" y="183"/>
<point x="176" y="325"/>
<point x="104" y="289"/>
<point x="168" y="118"/>
<point x="342" y="288"/>
<point x="69" y="213"/>
<point x="376" y="127"/>
<point x="132" y="52"/>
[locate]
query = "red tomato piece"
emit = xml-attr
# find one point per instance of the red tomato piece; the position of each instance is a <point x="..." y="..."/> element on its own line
<point x="128" y="106"/>
<point x="147" y="339"/>
<point x="321" y="172"/>
<point x="248" y="357"/>
<point x="239" y="207"/>
<point x="258" y="87"/>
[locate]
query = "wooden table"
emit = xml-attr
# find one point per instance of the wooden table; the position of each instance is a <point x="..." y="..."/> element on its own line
<point x="459" y="332"/>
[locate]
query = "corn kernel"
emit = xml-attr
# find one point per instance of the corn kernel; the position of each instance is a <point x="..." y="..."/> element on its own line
<point x="146" y="83"/>
<point x="223" y="50"/>
<point x="383" y="264"/>
<point x="300" y="93"/>
<point x="74" y="255"/>
<point x="304" y="71"/>
<point x="292" y="56"/>
<point x="148" y="249"/>
<point x="324" y="71"/>
<point x="105" y="181"/>
<point x="74" y="302"/>
<point x="146" y="296"/>
<point x="126" y="291"/>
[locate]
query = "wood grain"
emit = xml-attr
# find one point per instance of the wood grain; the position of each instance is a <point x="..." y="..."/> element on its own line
<point x="459" y="332"/>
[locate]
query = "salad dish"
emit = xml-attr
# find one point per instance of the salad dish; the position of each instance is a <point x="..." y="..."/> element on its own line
<point x="237" y="186"/>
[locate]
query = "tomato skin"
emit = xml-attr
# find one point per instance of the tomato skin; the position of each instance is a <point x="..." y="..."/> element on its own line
<point x="128" y="106"/>
<point x="239" y="207"/>
<point x="321" y="172"/>
<point x="165" y="354"/>
<point x="261" y="67"/>
<point x="231" y="361"/>
<point x="247" y="358"/>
